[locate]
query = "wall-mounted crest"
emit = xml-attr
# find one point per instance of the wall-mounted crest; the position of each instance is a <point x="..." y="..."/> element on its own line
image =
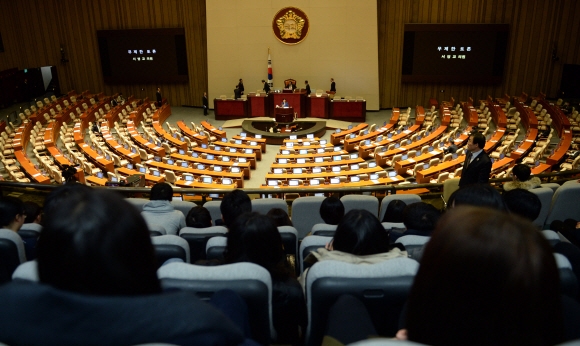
<point x="290" y="25"/>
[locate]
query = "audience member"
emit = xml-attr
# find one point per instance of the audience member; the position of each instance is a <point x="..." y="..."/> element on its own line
<point x="160" y="211"/>
<point x="280" y="217"/>
<point x="522" y="179"/>
<point x="360" y="239"/>
<point x="492" y="282"/>
<point x="523" y="203"/>
<point x="12" y="216"/>
<point x="394" y="212"/>
<point x="33" y="218"/>
<point x="477" y="195"/>
<point x="419" y="218"/>
<point x="32" y="222"/>
<point x="198" y="217"/>
<point x="233" y="205"/>
<point x="331" y="210"/>
<point x="255" y="238"/>
<point x="97" y="267"/>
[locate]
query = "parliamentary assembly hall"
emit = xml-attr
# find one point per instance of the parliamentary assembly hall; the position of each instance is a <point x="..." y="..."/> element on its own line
<point x="290" y="172"/>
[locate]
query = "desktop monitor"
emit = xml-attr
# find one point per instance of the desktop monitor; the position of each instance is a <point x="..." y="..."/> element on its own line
<point x="242" y="160"/>
<point x="352" y="135"/>
<point x="235" y="170"/>
<point x="305" y="144"/>
<point x="310" y="136"/>
<point x="318" y="159"/>
<point x="114" y="179"/>
<point x="454" y="156"/>
<point x="289" y="145"/>
<point x="336" y="169"/>
<point x="418" y="138"/>
<point x="126" y="146"/>
<point x="194" y="155"/>
<point x="272" y="182"/>
<point x="278" y="171"/>
<point x="426" y="166"/>
<point x="354" y="179"/>
<point x="354" y="167"/>
<point x="354" y="156"/>
<point x="337" y="131"/>
<point x="397" y="145"/>
<point x="253" y="143"/>
<point x="157" y="158"/>
<point x="249" y="151"/>
<point x="350" y="127"/>
<point x="238" y="141"/>
<point x="320" y="150"/>
<point x="141" y="170"/>
<point x="285" y="152"/>
<point x="210" y="156"/>
<point x="224" y="140"/>
<point x="374" y="176"/>
<point x="258" y="136"/>
<point x="404" y="157"/>
<point x="314" y="182"/>
<point x="108" y="157"/>
<point x="130" y="166"/>
<point x="297" y="170"/>
<point x="430" y="148"/>
<point x="188" y="178"/>
<point x="365" y="132"/>
<point x="316" y="170"/>
<point x="337" y="148"/>
<point x="243" y="135"/>
<point x="293" y="137"/>
<point x="203" y="146"/>
<point x="283" y="161"/>
<point x="301" y="161"/>
<point x="303" y="151"/>
<point x="200" y="166"/>
<point x="181" y="152"/>
<point x="217" y="148"/>
<point x="337" y="158"/>
<point x="169" y="162"/>
<point x="175" y="135"/>
<point x="220" y="128"/>
<point x="100" y="175"/>
<point x="227" y="181"/>
<point x="379" y="138"/>
<point x="293" y="182"/>
<point x="206" y="180"/>
<point x="323" y="142"/>
<point x="334" y="181"/>
<point x="233" y="150"/>
<point x="368" y="142"/>
<point x="392" y="174"/>
<point x="217" y="168"/>
<point x="156" y="173"/>
<point x="214" y="195"/>
<point x="372" y="164"/>
<point x="184" y="164"/>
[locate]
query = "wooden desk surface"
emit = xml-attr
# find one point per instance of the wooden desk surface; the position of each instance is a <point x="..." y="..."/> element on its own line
<point x="401" y="166"/>
<point x="237" y="177"/>
<point x="198" y="184"/>
<point x="175" y="142"/>
<point x="541" y="168"/>
<point x="325" y="175"/>
<point x="260" y="141"/>
<point x="562" y="148"/>
<point x="200" y="139"/>
<point x="245" y="166"/>
<point x="317" y="164"/>
<point x="112" y="143"/>
<point x="93" y="179"/>
<point x="213" y="130"/>
<point x="350" y="143"/>
<point x="148" y="177"/>
<point x="336" y="137"/>
<point x="297" y="156"/>
<point x="142" y="142"/>
<point x="381" y="158"/>
<point x="381" y="181"/>
<point x="242" y="147"/>
<point x="364" y="151"/>
<point x="28" y="167"/>
<point x="526" y="145"/>
<point x="250" y="157"/>
<point x="99" y="160"/>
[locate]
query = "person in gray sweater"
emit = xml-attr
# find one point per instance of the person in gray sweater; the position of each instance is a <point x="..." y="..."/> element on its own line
<point x="160" y="211"/>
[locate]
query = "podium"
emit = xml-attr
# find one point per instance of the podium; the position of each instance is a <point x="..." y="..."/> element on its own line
<point x="284" y="115"/>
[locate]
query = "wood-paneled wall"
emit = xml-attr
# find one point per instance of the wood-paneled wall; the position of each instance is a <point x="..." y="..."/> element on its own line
<point x="33" y="32"/>
<point x="535" y="26"/>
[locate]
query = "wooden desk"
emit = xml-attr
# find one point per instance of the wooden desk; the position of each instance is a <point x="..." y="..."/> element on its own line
<point x="245" y="166"/>
<point x="112" y="143"/>
<point x="310" y="164"/>
<point x="295" y="100"/>
<point x="200" y="139"/>
<point x="28" y="167"/>
<point x="93" y="179"/>
<point x="364" y="151"/>
<point x="348" y="110"/>
<point x="336" y="137"/>
<point x="230" y="109"/>
<point x="175" y="142"/>
<point x="296" y="156"/>
<point x="151" y="179"/>
<point x="199" y="184"/>
<point x="319" y="106"/>
<point x="259" y="105"/>
<point x="326" y="186"/>
<point x="142" y="142"/>
<point x="425" y="176"/>
<point x="562" y="148"/>
<point x="249" y="157"/>
<point x="350" y="144"/>
<point x="325" y="175"/>
<point x="99" y="160"/>
<point x="219" y="134"/>
<point x="237" y="177"/>
<point x="541" y="168"/>
<point x="260" y="141"/>
<point x="381" y="158"/>
<point x="529" y="119"/>
<point x="402" y="165"/>
<point x="526" y="145"/>
<point x="284" y="115"/>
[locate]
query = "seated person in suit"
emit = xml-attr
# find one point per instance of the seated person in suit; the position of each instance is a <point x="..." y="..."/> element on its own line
<point x="160" y="211"/>
<point x="497" y="264"/>
<point x="97" y="267"/>
<point x="198" y="217"/>
<point x="287" y="86"/>
<point x="284" y="104"/>
<point x="450" y="147"/>
<point x="255" y="238"/>
<point x="522" y="179"/>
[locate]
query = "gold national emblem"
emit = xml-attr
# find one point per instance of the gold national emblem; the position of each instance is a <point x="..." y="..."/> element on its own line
<point x="290" y="25"/>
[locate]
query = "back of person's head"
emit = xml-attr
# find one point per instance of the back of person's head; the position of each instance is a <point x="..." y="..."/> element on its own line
<point x="33" y="212"/>
<point x="233" y="205"/>
<point x="10" y="209"/>
<point x="280" y="217"/>
<point x="95" y="242"/>
<point x="477" y="195"/>
<point x="421" y="216"/>
<point x="522" y="172"/>
<point x="523" y="203"/>
<point x="360" y="233"/>
<point x="161" y="192"/>
<point x="479" y="139"/>
<point x="394" y="212"/>
<point x="486" y="278"/>
<point x="331" y="210"/>
<point x="254" y="238"/>
<point x="198" y="217"/>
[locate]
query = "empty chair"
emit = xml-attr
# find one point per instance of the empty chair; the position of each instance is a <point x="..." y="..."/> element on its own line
<point x="197" y="239"/>
<point x="308" y="245"/>
<point x="264" y="205"/>
<point x="565" y="203"/>
<point x="323" y="229"/>
<point x="12" y="253"/>
<point x="308" y="209"/>
<point x="252" y="282"/>
<point x="370" y="203"/>
<point x="170" y="246"/>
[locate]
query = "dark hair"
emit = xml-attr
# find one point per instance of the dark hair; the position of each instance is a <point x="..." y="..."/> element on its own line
<point x="421" y="216"/>
<point x="522" y="172"/>
<point x="10" y="207"/>
<point x="95" y="242"/>
<point x="280" y="217"/>
<point x="32" y="211"/>
<point x="394" y="212"/>
<point x="233" y="205"/>
<point x="478" y="139"/>
<point x="477" y="195"/>
<point x="331" y="210"/>
<point x="198" y="217"/>
<point x="254" y="238"/>
<point x="523" y="203"/>
<point x="360" y="233"/>
<point x="490" y="279"/>
<point x="161" y="192"/>
<point x="306" y="81"/>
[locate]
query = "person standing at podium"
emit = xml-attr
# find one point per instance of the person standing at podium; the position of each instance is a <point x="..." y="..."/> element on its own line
<point x="266" y="86"/>
<point x="308" y="91"/>
<point x="332" y="85"/>
<point x="284" y="104"/>
<point x="241" y="86"/>
<point x="237" y="92"/>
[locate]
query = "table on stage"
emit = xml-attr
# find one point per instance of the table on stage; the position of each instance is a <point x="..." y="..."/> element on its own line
<point x="230" y="109"/>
